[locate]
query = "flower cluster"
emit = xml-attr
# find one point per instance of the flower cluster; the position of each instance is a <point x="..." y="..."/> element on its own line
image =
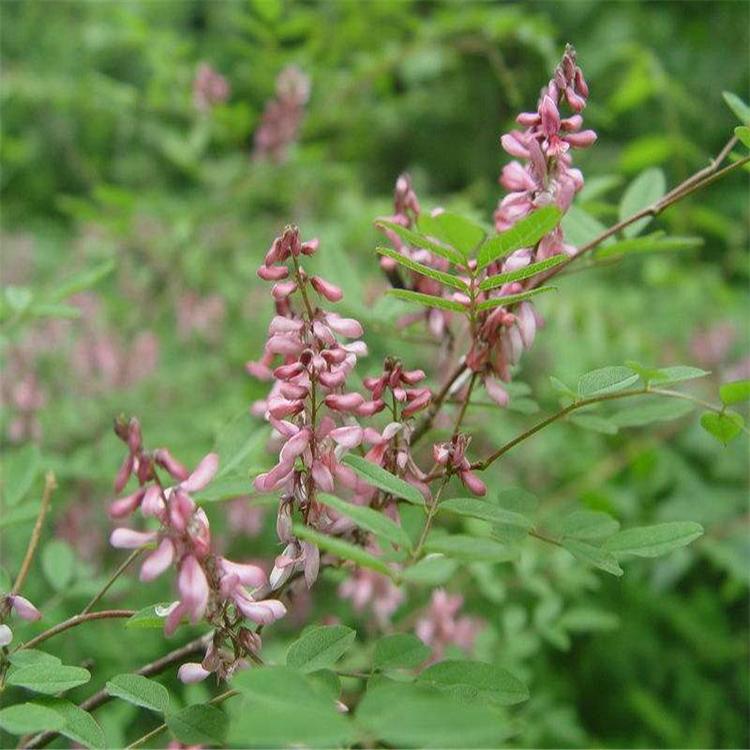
<point x="372" y="591"/>
<point x="440" y="626"/>
<point x="222" y="592"/>
<point x="314" y="416"/>
<point x="282" y="116"/>
<point x="546" y="178"/>
<point x="452" y="455"/>
<point x="406" y="213"/>
<point x="209" y="88"/>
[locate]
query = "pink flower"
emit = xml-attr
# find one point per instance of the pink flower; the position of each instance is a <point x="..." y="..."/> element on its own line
<point x="440" y="626"/>
<point x="192" y="672"/>
<point x="193" y="588"/>
<point x="24" y="608"/>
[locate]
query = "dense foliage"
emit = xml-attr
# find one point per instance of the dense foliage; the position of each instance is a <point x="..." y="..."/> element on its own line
<point x="452" y="537"/>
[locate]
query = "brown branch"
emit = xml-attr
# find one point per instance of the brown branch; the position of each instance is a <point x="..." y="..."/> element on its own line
<point x="50" y="485"/>
<point x="74" y="622"/>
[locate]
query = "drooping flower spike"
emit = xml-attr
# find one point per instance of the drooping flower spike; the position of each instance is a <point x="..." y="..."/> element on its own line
<point x="210" y="587"/>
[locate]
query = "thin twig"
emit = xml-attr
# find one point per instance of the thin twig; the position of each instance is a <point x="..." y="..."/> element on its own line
<point x="50" y="485"/>
<point x="123" y="567"/>
<point x="75" y="621"/>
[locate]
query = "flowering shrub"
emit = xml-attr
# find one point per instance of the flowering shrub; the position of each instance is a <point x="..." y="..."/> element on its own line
<point x="376" y="477"/>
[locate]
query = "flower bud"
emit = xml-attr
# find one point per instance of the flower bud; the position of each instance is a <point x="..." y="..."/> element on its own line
<point x="330" y="291"/>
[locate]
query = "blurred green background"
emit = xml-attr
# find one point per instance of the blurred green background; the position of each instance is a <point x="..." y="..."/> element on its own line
<point x="111" y="152"/>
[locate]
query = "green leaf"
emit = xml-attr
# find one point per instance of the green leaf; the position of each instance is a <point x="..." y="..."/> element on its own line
<point x="734" y="392"/>
<point x="411" y="715"/>
<point x="237" y="443"/>
<point x="561" y="388"/>
<point x="400" y="651"/>
<point x="587" y="620"/>
<point x="320" y="647"/>
<point x="369" y="520"/>
<point x="492" y="282"/>
<point x="580" y="227"/>
<point x="743" y="134"/>
<point x="656" y="242"/>
<point x="594" y="422"/>
<point x="738" y="107"/>
<point x="283" y="708"/>
<point x="587" y="524"/>
<point x="20" y="469"/>
<point x="469" y="681"/>
<point x="418" y="240"/>
<point x="486" y="510"/>
<point x="512" y="299"/>
<point x="25" y="718"/>
<point x="469" y="548"/>
<point x="592" y="555"/>
<point x="383" y="480"/>
<point x="344" y="550"/>
<point x="605" y="380"/>
<point x="664" y="375"/>
<point x="525" y="233"/>
<point x="48" y="678"/>
<point x="432" y="570"/>
<point x="147" y="618"/>
<point x="27" y="657"/>
<point x="652" y="541"/>
<point x="650" y="409"/>
<point x="199" y="725"/>
<point x="25" y="512"/>
<point x="453" y="229"/>
<point x="642" y="192"/>
<point x="58" y="564"/>
<point x="80" y="726"/>
<point x="82" y="281"/>
<point x="428" y="300"/>
<point x="443" y="278"/>
<point x="724" y="427"/>
<point x="139" y="690"/>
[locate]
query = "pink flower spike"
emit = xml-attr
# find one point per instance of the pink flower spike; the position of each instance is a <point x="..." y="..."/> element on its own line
<point x="24" y="608"/>
<point x="130" y="539"/>
<point x="203" y="474"/>
<point x="193" y="587"/>
<point x="192" y="672"/>
<point x="330" y="291"/>
<point x="157" y="562"/>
